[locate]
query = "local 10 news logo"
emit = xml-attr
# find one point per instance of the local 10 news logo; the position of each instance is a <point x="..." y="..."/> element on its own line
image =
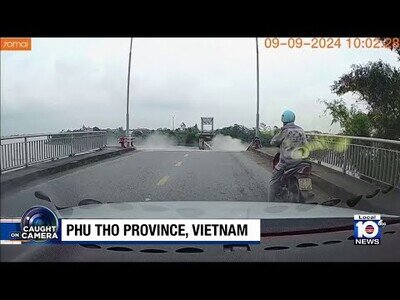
<point x="368" y="229"/>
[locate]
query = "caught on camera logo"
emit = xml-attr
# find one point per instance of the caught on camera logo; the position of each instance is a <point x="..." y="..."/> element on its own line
<point x="38" y="224"/>
<point x="368" y="229"/>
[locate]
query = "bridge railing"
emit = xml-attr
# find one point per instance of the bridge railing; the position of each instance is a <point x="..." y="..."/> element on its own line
<point x="371" y="159"/>
<point x="25" y="150"/>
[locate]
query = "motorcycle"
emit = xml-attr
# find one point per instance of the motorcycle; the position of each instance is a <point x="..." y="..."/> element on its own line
<point x="295" y="182"/>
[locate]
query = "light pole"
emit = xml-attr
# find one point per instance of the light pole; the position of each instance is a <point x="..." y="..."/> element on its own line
<point x="256" y="142"/>
<point x="127" y="92"/>
<point x="173" y="122"/>
<point x="258" y="96"/>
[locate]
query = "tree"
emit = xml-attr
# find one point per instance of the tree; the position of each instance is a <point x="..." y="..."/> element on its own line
<point x="393" y="43"/>
<point x="398" y="52"/>
<point x="237" y="131"/>
<point x="353" y="121"/>
<point x="95" y="128"/>
<point x="190" y="137"/>
<point x="376" y="84"/>
<point x="120" y="131"/>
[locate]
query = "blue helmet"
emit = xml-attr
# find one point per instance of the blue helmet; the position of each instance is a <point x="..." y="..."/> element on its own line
<point x="288" y="116"/>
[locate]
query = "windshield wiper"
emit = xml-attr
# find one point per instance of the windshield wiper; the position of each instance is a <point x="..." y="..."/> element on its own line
<point x="42" y="196"/>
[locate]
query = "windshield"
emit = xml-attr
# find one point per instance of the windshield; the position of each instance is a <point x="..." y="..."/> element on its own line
<point x="305" y="121"/>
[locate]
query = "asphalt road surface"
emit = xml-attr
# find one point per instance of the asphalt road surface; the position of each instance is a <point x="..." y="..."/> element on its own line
<point x="181" y="174"/>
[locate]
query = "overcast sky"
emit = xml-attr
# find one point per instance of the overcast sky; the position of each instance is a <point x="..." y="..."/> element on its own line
<point x="64" y="83"/>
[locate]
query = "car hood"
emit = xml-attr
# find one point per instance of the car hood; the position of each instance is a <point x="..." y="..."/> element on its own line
<point x="207" y="210"/>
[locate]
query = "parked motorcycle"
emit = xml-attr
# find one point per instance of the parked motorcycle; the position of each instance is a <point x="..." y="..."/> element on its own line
<point x="296" y="184"/>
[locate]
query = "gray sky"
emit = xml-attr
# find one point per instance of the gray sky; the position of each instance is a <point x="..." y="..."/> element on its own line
<point x="64" y="83"/>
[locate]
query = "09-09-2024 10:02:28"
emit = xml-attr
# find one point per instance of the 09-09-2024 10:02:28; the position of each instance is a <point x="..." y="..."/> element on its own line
<point x="332" y="43"/>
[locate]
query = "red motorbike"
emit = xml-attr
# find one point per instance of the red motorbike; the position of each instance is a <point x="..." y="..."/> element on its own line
<point x="295" y="183"/>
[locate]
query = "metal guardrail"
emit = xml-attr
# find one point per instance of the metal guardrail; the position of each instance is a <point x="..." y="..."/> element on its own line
<point x="25" y="150"/>
<point x="376" y="160"/>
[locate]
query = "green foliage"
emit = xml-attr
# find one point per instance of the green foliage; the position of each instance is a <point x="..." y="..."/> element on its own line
<point x="120" y="132"/>
<point x="191" y="135"/>
<point x="246" y="134"/>
<point x="267" y="134"/>
<point x="377" y="85"/>
<point x="353" y="121"/>
<point x="238" y="132"/>
<point x="396" y="48"/>
<point x="360" y="125"/>
<point x="182" y="136"/>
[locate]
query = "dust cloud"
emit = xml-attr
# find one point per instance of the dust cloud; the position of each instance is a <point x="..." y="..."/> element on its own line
<point x="112" y="141"/>
<point x="158" y="141"/>
<point x="227" y="143"/>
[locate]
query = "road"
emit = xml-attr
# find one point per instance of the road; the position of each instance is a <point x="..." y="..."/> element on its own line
<point x="181" y="174"/>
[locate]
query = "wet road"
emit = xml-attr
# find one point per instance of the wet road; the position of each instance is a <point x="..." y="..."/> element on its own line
<point x="181" y="174"/>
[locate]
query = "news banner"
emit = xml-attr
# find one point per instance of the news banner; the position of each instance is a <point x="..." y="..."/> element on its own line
<point x="41" y="225"/>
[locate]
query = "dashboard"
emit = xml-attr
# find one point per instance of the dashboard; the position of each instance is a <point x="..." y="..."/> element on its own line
<point x="305" y="244"/>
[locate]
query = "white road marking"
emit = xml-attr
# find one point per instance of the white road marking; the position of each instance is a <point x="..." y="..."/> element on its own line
<point x="178" y="164"/>
<point x="163" y="180"/>
<point x="186" y="155"/>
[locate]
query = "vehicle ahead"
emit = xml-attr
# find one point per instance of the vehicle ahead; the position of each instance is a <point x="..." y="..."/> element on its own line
<point x="289" y="232"/>
<point x="295" y="182"/>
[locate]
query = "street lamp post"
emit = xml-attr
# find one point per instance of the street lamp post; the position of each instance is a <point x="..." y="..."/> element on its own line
<point x="127" y="93"/>
<point x="258" y="96"/>
<point x="256" y="142"/>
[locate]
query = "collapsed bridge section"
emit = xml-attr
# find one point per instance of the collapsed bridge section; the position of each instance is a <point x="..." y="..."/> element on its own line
<point x="206" y="133"/>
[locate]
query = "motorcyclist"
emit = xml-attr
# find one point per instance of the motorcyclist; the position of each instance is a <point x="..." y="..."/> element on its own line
<point x="291" y="140"/>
